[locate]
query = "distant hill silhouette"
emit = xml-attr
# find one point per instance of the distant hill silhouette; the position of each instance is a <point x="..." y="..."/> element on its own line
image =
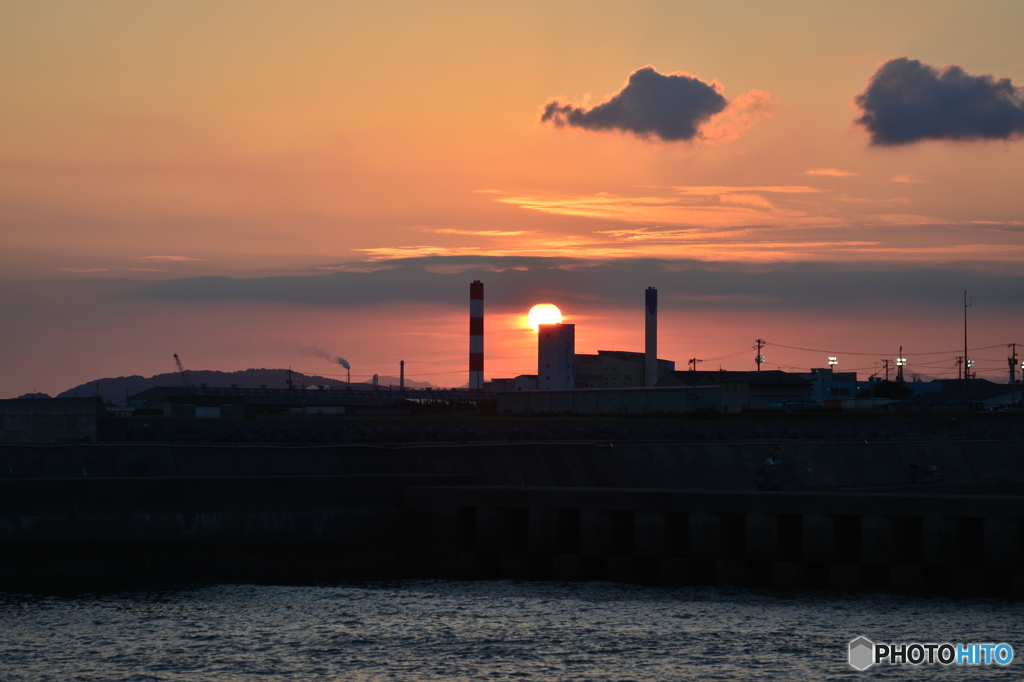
<point x="114" y="388"/>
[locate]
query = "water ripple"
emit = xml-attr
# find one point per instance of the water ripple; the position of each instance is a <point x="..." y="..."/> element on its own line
<point x="501" y="630"/>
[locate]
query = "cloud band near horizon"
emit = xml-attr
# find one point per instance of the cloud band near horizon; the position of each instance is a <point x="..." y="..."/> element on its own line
<point x="519" y="281"/>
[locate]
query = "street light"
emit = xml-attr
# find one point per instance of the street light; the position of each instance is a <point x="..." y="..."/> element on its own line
<point x="902" y="362"/>
<point x="832" y="360"/>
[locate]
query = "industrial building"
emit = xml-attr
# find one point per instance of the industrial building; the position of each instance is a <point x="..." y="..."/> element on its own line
<point x="559" y="367"/>
<point x="50" y="420"/>
<point x="212" y="403"/>
<point x="773" y="389"/>
<point x="556" y="356"/>
<point x="617" y="401"/>
<point x="616" y="369"/>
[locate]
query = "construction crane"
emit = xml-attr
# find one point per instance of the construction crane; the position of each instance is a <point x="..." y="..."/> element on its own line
<point x="186" y="380"/>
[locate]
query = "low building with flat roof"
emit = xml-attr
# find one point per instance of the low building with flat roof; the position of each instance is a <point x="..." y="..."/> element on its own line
<point x="615" y="369"/>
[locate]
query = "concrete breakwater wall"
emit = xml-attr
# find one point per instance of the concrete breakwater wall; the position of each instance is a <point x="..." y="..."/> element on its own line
<point x="121" y="531"/>
<point x="742" y="465"/>
<point x="969" y="545"/>
<point x="116" y="514"/>
<point x="440" y="428"/>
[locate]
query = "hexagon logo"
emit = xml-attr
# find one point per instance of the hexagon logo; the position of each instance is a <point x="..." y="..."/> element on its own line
<point x="862" y="653"/>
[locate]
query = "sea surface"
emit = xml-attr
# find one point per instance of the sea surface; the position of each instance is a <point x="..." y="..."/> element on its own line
<point x="496" y="630"/>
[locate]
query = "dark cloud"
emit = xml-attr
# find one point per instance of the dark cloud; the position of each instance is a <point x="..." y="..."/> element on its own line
<point x="907" y="101"/>
<point x="667" y="106"/>
<point x="517" y="282"/>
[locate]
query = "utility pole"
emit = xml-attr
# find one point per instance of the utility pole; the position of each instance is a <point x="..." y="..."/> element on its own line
<point x="886" y="364"/>
<point x="959" y="366"/>
<point x="1013" y="371"/>
<point x="1012" y="361"/>
<point x="693" y="364"/>
<point x="967" y="364"/>
<point x="759" y="358"/>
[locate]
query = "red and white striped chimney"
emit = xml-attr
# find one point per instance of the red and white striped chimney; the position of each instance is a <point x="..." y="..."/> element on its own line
<point x="476" y="336"/>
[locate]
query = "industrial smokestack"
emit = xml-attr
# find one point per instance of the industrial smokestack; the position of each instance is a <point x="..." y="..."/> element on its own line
<point x="401" y="374"/>
<point x="344" y="363"/>
<point x="476" y="336"/>
<point x="651" y="345"/>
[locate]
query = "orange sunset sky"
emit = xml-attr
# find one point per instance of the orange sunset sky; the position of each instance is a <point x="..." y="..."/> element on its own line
<point x="259" y="184"/>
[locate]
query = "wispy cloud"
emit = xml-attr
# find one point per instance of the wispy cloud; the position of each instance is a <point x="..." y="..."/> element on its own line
<point x="906" y="219"/>
<point x="906" y="178"/>
<point x="707" y="206"/>
<point x="708" y="190"/>
<point x="830" y="172"/>
<point x="755" y="200"/>
<point x="664" y="210"/>
<point x="168" y="259"/>
<point x="359" y="266"/>
<point x="477" y="233"/>
<point x="84" y="269"/>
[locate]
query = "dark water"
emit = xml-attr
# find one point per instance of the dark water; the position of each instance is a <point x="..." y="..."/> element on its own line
<point x="501" y="630"/>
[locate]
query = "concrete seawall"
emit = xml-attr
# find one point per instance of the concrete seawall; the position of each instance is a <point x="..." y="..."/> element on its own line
<point x="845" y="514"/>
<point x="921" y="543"/>
<point x="743" y="465"/>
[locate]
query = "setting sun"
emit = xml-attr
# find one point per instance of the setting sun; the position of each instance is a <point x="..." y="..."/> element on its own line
<point x="544" y="313"/>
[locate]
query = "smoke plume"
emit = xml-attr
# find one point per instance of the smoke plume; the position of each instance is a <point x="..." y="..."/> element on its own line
<point x="317" y="352"/>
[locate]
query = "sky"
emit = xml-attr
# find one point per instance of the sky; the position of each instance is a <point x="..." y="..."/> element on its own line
<point x="266" y="184"/>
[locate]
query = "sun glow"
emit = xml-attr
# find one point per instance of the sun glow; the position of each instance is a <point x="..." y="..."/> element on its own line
<point x="544" y="313"/>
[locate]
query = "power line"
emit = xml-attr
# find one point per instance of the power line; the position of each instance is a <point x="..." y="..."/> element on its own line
<point x="819" y="350"/>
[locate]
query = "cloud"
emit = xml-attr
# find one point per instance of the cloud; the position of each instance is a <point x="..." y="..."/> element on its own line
<point x="709" y="190"/>
<point x="830" y="172"/>
<point x="168" y="259"/>
<point x="905" y="178"/>
<point x="755" y="200"/>
<point x="667" y="210"/>
<point x="907" y="101"/>
<point x="519" y="281"/>
<point x="477" y="233"/>
<point x="670" y="107"/>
